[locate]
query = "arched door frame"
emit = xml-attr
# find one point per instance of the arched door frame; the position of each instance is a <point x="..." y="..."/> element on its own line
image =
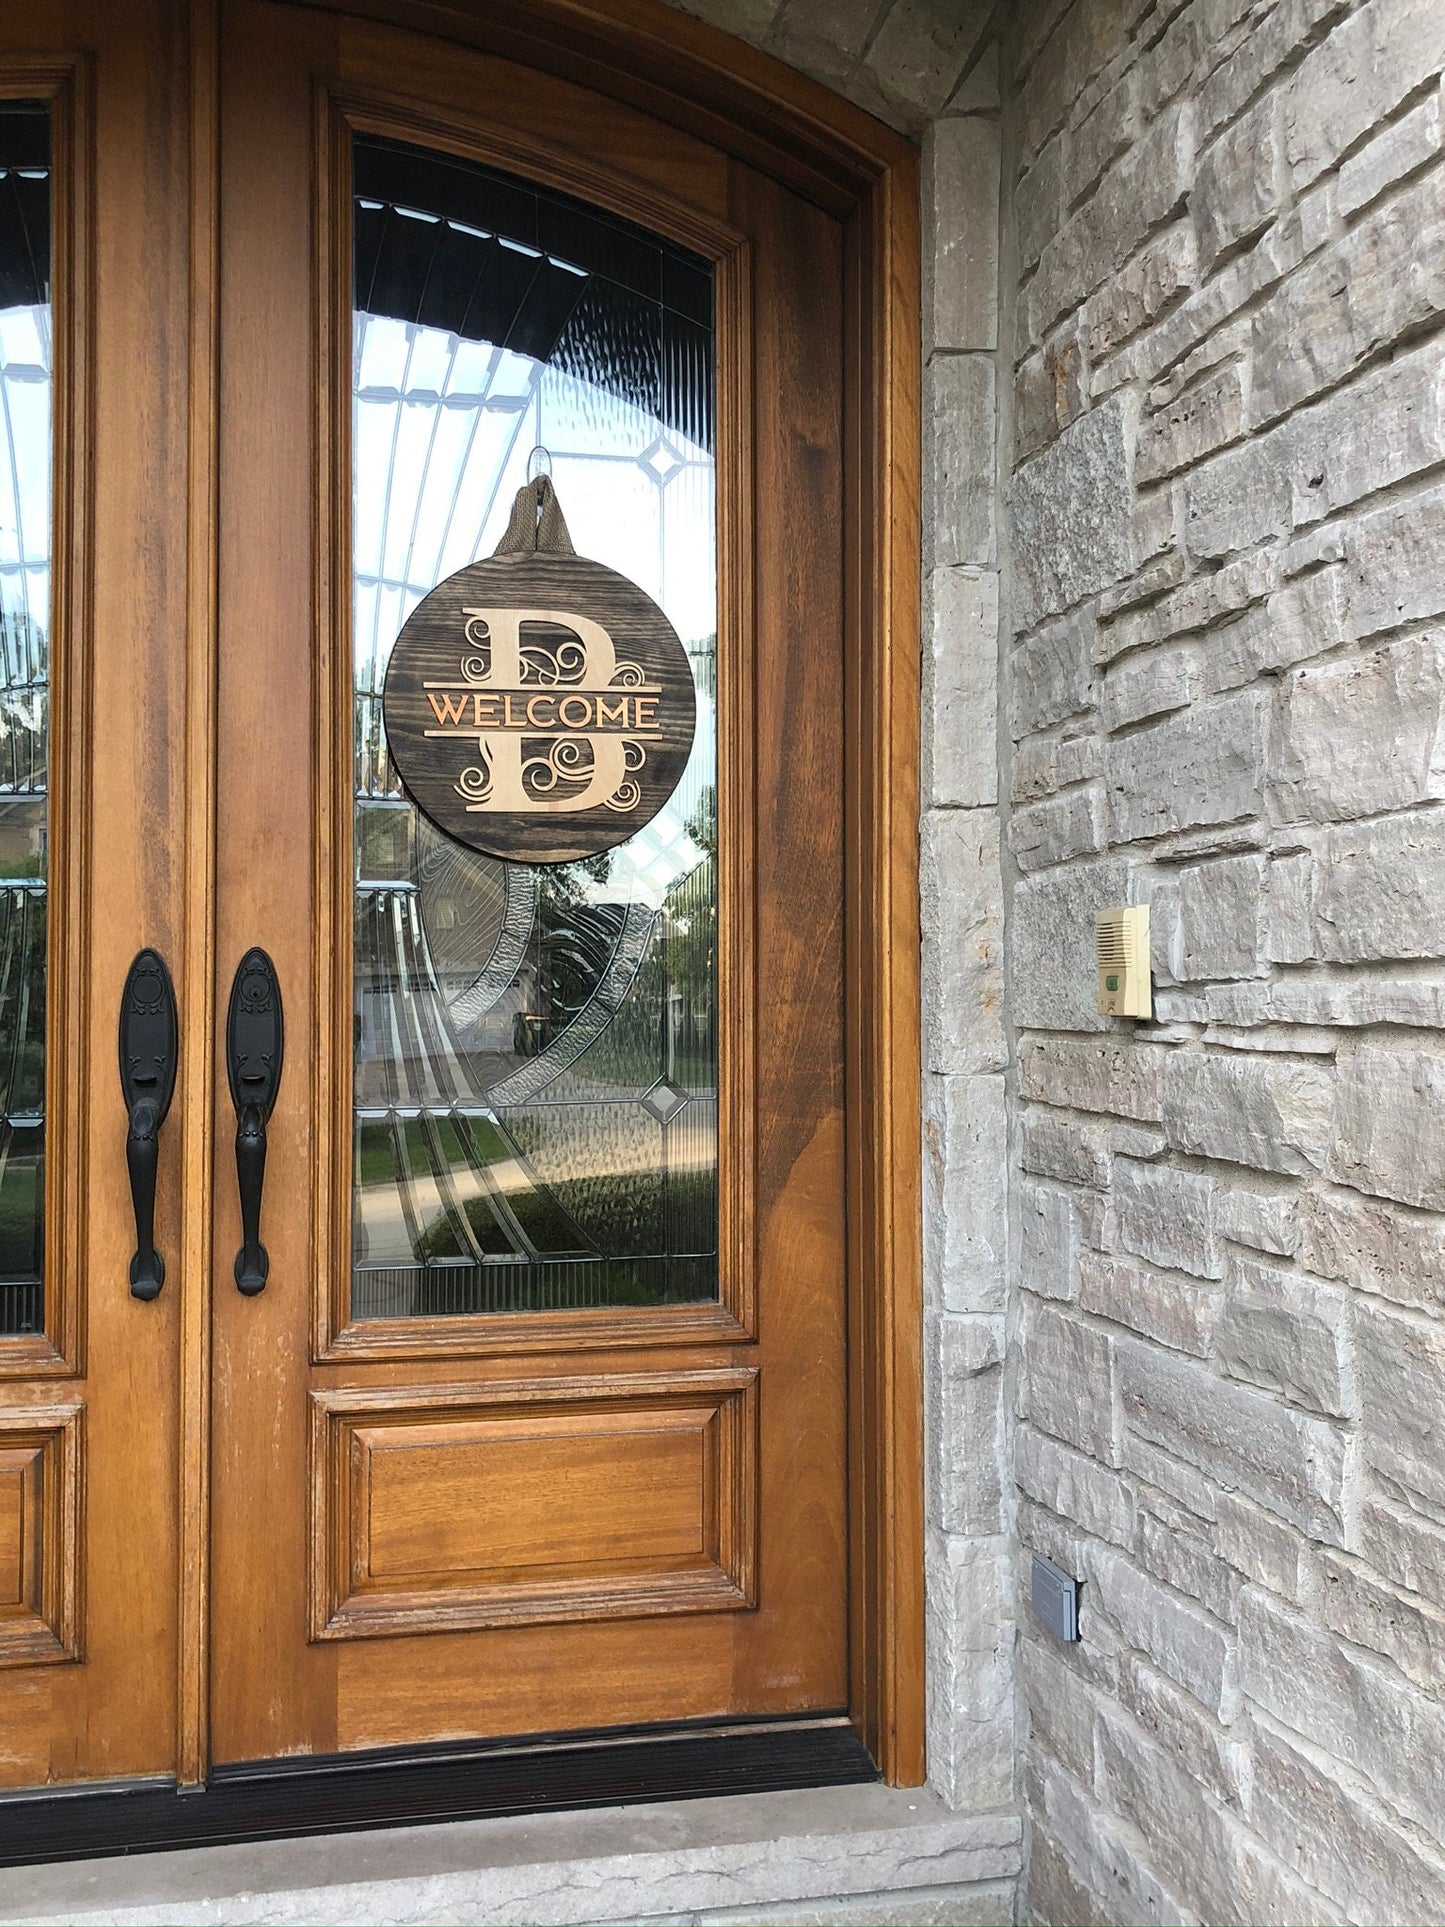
<point x="649" y="56"/>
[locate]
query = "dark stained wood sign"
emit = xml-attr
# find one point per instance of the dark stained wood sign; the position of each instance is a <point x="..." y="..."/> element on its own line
<point x="539" y="706"/>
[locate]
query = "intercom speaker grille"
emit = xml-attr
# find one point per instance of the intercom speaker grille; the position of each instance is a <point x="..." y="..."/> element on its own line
<point x="1121" y="939"/>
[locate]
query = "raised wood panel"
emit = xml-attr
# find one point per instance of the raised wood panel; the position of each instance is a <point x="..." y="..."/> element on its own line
<point x="39" y="1534"/>
<point x="533" y="1495"/>
<point x="20" y="1488"/>
<point x="533" y="1501"/>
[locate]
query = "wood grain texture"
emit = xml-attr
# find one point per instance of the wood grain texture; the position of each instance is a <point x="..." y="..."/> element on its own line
<point x="795" y="575"/>
<point x="884" y="1065"/>
<point x="599" y="151"/>
<point x="679" y="72"/>
<point x="272" y="1692"/>
<point x="67" y="935"/>
<point x="198" y="964"/>
<point x="114" y="1714"/>
<point x="736" y="695"/>
<point x="532" y="1502"/>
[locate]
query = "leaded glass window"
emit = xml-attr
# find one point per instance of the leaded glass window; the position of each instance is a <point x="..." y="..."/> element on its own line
<point x="535" y="1048"/>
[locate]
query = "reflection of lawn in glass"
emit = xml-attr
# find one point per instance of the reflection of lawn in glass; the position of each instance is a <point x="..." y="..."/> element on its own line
<point x="693" y="1200"/>
<point x="21" y="1204"/>
<point x="694" y="1068"/>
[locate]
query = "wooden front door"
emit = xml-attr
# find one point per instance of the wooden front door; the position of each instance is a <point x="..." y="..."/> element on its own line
<point x="539" y="1422"/>
<point x="533" y="1415"/>
<point x="94" y="320"/>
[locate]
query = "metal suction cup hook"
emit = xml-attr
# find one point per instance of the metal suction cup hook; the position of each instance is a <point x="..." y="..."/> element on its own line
<point x="255" y="1046"/>
<point x="148" y="1051"/>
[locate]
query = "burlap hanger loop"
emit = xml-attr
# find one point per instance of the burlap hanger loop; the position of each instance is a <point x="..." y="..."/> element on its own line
<point x="537" y="526"/>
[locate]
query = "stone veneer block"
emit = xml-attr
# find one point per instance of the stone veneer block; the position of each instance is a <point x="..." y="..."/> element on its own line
<point x="1361" y="736"/>
<point x="1202" y="766"/>
<point x="965" y="1174"/>
<point x="961" y="688"/>
<point x="1101" y="1074"/>
<point x="1054" y="973"/>
<point x="959" y="393"/>
<point x="1402" y="1395"/>
<point x="1073" y="513"/>
<point x="1379" y="890"/>
<point x="970" y="1681"/>
<point x="1389" y="1134"/>
<point x="918" y="52"/>
<point x="1274" y="1114"/>
<point x="962" y="259"/>
<point x="963" y="1387"/>
<point x="1247" y="1441"/>
<point x="1356" y="78"/>
<point x="962" y="942"/>
<point x="1347" y="1706"/>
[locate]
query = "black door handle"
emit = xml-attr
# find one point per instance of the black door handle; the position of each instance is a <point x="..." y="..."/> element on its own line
<point x="148" y="1040"/>
<point x="255" y="1046"/>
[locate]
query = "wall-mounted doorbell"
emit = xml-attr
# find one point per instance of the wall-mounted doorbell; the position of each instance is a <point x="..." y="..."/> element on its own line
<point x="1122" y="941"/>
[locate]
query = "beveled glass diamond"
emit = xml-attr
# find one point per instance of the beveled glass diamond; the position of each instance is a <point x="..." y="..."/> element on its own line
<point x="662" y="460"/>
<point x="665" y="1100"/>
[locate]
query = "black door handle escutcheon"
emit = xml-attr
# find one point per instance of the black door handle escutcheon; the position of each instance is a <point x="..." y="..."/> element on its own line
<point x="255" y="1046"/>
<point x="148" y="1049"/>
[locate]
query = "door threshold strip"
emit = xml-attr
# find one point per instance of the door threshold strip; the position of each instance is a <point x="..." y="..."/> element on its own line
<point x="424" y="1785"/>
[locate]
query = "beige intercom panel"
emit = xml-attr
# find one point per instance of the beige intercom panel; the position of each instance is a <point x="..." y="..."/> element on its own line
<point x="1122" y="938"/>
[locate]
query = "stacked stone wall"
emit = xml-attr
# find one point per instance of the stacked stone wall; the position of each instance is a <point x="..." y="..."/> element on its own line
<point x="1224" y="693"/>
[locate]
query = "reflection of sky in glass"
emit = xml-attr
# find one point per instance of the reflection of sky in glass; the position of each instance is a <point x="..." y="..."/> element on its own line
<point x="443" y="430"/>
<point x="24" y="470"/>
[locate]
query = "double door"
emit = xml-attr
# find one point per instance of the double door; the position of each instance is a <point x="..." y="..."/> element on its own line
<point x="534" y="1419"/>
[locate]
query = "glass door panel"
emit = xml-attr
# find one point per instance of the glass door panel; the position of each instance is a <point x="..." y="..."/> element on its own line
<point x="535" y="1075"/>
<point x="25" y="612"/>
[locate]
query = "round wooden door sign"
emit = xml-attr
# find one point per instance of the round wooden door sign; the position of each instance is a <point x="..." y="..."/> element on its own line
<point x="538" y="706"/>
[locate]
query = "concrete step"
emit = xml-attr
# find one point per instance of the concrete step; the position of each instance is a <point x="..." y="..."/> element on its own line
<point x="864" y="1854"/>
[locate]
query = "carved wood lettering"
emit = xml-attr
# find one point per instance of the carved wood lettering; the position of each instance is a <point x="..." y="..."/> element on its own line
<point x="539" y="707"/>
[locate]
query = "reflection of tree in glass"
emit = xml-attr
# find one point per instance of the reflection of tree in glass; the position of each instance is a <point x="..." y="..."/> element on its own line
<point x="22" y="1087"/>
<point x="572" y="941"/>
<point x="24" y="701"/>
<point x="702" y="824"/>
<point x="703" y="657"/>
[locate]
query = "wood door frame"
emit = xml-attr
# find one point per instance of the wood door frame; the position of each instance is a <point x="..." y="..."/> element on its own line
<point x="694" y="77"/>
<point x="341" y="113"/>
